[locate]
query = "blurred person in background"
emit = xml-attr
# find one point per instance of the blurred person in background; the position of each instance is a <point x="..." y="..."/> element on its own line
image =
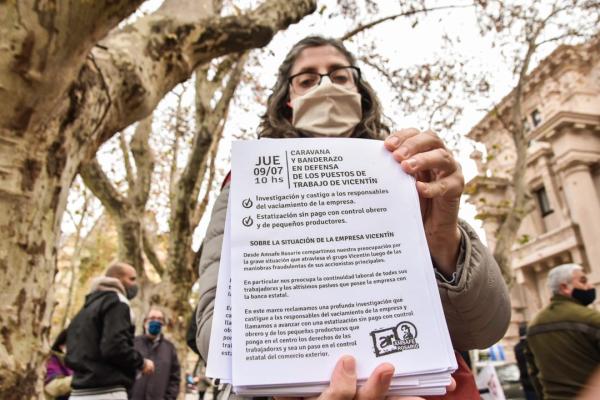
<point x="57" y="384"/>
<point x="564" y="338"/>
<point x="522" y="352"/>
<point x="152" y="345"/>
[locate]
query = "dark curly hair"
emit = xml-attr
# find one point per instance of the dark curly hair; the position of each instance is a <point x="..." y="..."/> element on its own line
<point x="275" y="123"/>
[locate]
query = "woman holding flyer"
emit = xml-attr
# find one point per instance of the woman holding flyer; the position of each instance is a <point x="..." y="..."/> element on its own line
<point x="320" y="93"/>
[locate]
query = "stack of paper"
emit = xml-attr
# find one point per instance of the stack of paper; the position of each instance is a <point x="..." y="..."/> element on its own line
<point x="325" y="255"/>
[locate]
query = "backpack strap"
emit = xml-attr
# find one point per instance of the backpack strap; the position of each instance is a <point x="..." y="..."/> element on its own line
<point x="564" y="326"/>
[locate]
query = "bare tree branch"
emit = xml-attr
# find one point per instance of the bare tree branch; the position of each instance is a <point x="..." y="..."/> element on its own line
<point x="96" y="180"/>
<point x="144" y="161"/>
<point x="232" y="83"/>
<point x="41" y="51"/>
<point x="211" y="161"/>
<point x="498" y="115"/>
<point x="151" y="254"/>
<point x="379" y="68"/>
<point x="558" y="38"/>
<point x="71" y="217"/>
<point x="177" y="133"/>
<point x="213" y="123"/>
<point x="209" y="87"/>
<point x="75" y="261"/>
<point x="519" y="202"/>
<point x="224" y="67"/>
<point x="187" y="11"/>
<point x="209" y="127"/>
<point x="171" y="51"/>
<point x="127" y="163"/>
<point x="364" y="27"/>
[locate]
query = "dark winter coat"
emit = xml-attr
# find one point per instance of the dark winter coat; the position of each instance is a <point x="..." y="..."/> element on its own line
<point x="530" y="386"/>
<point x="100" y="340"/>
<point x="164" y="383"/>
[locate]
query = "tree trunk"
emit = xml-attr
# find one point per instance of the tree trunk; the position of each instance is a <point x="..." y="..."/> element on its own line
<point x="508" y="230"/>
<point x="509" y="227"/>
<point x="129" y="229"/>
<point x="62" y="97"/>
<point x="174" y="299"/>
<point x="29" y="222"/>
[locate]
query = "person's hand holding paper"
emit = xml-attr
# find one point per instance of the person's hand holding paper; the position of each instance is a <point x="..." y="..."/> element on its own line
<point x="440" y="183"/>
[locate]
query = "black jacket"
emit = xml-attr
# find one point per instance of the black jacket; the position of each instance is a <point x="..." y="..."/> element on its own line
<point x="190" y="336"/>
<point x="100" y="343"/>
<point x="520" y="349"/>
<point x="164" y="383"/>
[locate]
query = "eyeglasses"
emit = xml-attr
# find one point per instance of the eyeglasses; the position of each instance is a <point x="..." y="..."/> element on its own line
<point x="343" y="76"/>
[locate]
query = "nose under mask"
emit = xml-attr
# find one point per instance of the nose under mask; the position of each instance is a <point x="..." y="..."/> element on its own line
<point x="328" y="110"/>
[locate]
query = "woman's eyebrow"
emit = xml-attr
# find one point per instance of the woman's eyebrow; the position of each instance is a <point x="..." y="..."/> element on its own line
<point x="337" y="65"/>
<point x="306" y="69"/>
<point x="329" y="68"/>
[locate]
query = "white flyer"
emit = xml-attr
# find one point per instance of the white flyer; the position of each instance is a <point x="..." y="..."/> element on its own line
<point x="329" y="257"/>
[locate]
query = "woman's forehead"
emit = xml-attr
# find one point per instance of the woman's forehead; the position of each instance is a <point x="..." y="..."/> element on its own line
<point x="318" y="58"/>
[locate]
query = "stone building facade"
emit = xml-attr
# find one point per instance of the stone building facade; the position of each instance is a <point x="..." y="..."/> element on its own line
<point x="562" y="114"/>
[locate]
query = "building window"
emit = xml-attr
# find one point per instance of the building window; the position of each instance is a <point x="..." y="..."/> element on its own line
<point x="536" y="117"/>
<point x="542" y="199"/>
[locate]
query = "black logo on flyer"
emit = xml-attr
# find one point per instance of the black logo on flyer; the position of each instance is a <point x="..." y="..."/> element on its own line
<point x="395" y="339"/>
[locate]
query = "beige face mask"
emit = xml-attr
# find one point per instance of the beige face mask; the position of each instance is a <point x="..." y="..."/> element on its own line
<point x="328" y="110"/>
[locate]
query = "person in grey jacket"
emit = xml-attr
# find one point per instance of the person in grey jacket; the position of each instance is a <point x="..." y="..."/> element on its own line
<point x="164" y="383"/>
<point x="474" y="296"/>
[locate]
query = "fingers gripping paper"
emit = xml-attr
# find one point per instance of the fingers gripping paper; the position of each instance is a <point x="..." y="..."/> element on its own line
<point x="325" y="255"/>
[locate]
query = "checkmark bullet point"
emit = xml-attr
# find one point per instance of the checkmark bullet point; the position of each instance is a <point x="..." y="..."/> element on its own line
<point x="248" y="221"/>
<point x="247" y="203"/>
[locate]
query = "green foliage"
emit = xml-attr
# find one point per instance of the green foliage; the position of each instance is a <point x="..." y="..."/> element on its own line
<point x="482" y="216"/>
<point x="470" y="190"/>
<point x="524" y="239"/>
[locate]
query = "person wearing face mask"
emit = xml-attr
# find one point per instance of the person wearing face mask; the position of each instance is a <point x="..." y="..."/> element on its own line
<point x="100" y="339"/>
<point x="320" y="92"/>
<point x="564" y="338"/>
<point x="164" y="383"/>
